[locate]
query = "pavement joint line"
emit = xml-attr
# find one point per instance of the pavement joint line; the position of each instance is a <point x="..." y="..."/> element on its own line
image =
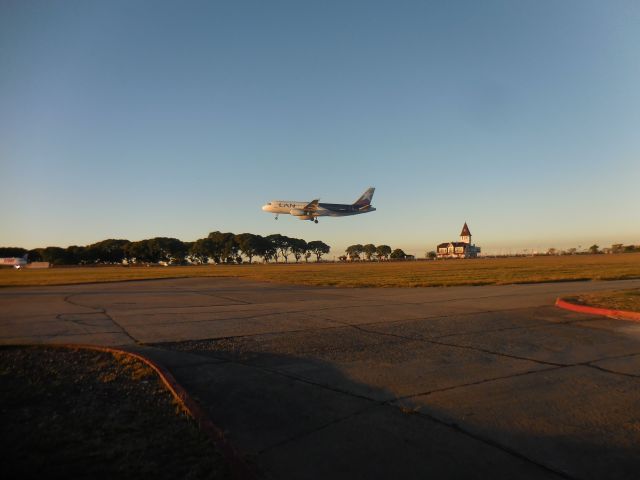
<point x="410" y="339"/>
<point x="340" y="325"/>
<point x="466" y="347"/>
<point x="489" y="441"/>
<point x="606" y="370"/>
<point x="106" y="314"/>
<point x="301" y="379"/>
<point x="612" y="357"/>
<point x="266" y="305"/>
<point x="524" y="327"/>
<point x="479" y="382"/>
<point x="238" y="302"/>
<point x="306" y="433"/>
<point x="461" y="314"/>
<point x="310" y="313"/>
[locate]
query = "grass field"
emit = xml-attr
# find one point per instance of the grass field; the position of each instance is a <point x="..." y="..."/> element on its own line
<point x="497" y="271"/>
<point x="76" y="413"/>
<point x="626" y="300"/>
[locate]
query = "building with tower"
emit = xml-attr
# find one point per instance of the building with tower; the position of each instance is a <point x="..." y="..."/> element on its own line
<point x="462" y="249"/>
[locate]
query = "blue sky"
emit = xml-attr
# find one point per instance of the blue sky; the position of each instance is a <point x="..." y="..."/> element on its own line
<point x="134" y="119"/>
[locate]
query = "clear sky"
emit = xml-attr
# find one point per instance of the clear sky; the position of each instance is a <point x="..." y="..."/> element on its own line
<point x="133" y="119"/>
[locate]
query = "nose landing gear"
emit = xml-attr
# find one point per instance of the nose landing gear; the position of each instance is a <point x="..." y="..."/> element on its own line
<point x="315" y="220"/>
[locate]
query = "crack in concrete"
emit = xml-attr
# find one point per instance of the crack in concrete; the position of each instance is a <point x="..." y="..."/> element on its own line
<point x="68" y="300"/>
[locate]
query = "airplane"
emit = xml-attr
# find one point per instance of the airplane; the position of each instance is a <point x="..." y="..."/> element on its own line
<point x="313" y="209"/>
<point x="15" y="262"/>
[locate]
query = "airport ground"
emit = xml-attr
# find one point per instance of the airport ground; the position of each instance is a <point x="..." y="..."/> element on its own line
<point x="322" y="382"/>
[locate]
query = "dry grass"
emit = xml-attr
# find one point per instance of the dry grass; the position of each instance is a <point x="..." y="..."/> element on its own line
<point x="626" y="300"/>
<point x="76" y="413"/>
<point x="497" y="271"/>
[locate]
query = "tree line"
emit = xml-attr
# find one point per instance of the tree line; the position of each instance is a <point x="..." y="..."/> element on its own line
<point x="595" y="249"/>
<point x="217" y="247"/>
<point x="371" y="252"/>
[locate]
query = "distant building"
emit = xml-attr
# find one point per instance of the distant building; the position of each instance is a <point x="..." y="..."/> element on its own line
<point x="462" y="249"/>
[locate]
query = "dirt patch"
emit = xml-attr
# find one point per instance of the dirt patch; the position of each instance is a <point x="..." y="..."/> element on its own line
<point x="78" y="413"/>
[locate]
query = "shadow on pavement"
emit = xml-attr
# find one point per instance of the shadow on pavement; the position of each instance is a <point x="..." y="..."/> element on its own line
<point x="296" y="424"/>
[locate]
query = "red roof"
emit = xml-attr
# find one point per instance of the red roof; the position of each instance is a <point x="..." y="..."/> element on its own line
<point x="465" y="231"/>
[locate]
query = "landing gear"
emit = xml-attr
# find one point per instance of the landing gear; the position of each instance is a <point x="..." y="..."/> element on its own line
<point x="276" y="216"/>
<point x="315" y="220"/>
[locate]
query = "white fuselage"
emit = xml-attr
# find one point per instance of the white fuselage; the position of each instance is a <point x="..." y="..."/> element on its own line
<point x="15" y="262"/>
<point x="291" y="207"/>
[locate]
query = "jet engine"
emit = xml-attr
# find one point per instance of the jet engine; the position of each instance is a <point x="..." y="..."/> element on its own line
<point x="300" y="214"/>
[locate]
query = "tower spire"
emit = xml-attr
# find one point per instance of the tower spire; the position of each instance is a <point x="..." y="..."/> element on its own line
<point x="465" y="234"/>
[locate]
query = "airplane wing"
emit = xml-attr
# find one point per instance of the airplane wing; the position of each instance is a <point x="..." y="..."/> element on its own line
<point x="312" y="205"/>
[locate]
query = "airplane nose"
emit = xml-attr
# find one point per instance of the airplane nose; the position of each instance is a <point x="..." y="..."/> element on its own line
<point x="265" y="208"/>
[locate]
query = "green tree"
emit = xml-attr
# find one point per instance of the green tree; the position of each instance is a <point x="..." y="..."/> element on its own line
<point x="56" y="256"/>
<point x="249" y="244"/>
<point x="298" y="248"/>
<point x="354" y="251"/>
<point x="225" y="248"/>
<point x="138" y="252"/>
<point x="13" y="252"/>
<point x="594" y="249"/>
<point x="35" y="255"/>
<point x="398" y="254"/>
<point x="617" y="248"/>
<point x="107" y="251"/>
<point x="282" y="245"/>
<point x="201" y="250"/>
<point x="267" y="250"/>
<point x="319" y="248"/>
<point x="76" y="255"/>
<point x="383" y="251"/>
<point x="432" y="255"/>
<point x="369" y="250"/>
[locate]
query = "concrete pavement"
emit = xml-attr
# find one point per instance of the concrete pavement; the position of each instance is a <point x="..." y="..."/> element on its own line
<point x="373" y="383"/>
